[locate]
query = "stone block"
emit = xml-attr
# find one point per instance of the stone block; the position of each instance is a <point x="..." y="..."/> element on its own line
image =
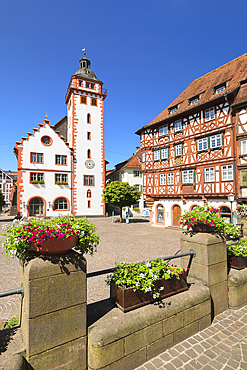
<point x="215" y="251"/>
<point x="186" y="332"/>
<point x="237" y="296"/>
<point x="69" y="290"/>
<point x="219" y="293"/>
<point x="99" y="357"/>
<point x="36" y="267"/>
<point x="160" y="346"/>
<point x="69" y="356"/>
<point x="54" y="329"/>
<point x="129" y="362"/>
<point x="172" y="324"/>
<point x="210" y="274"/>
<point x="143" y="337"/>
<point x="196" y="312"/>
<point x="221" y="307"/>
<point x="205" y="321"/>
<point x="237" y="277"/>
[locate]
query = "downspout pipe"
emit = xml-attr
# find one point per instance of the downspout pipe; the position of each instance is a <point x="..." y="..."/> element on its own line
<point x="233" y="149"/>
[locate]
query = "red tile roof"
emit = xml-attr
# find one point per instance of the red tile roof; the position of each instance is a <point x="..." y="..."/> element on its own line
<point x="231" y="73"/>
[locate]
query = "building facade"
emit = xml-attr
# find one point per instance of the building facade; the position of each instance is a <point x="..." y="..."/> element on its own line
<point x="61" y="168"/>
<point x="191" y="150"/>
<point x="6" y="184"/>
<point x="129" y="171"/>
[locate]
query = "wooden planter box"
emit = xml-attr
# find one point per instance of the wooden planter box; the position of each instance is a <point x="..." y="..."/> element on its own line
<point x="126" y="299"/>
<point x="237" y="262"/>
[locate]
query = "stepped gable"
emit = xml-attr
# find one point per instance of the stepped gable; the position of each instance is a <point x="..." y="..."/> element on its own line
<point x="230" y="73"/>
<point x="46" y="122"/>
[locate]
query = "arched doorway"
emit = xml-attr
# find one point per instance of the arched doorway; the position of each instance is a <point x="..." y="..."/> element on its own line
<point x="36" y="207"/>
<point x="225" y="213"/>
<point x="160" y="214"/>
<point x="176" y="214"/>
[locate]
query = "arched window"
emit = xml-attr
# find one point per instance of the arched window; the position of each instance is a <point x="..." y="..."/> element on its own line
<point x="89" y="153"/>
<point x="160" y="210"/>
<point x="225" y="213"/>
<point x="36" y="207"/>
<point x="60" y="203"/>
<point x="88" y="118"/>
<point x="89" y="194"/>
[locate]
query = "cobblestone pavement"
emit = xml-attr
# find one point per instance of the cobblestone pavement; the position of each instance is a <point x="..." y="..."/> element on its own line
<point x="135" y="241"/>
<point x="223" y="345"/>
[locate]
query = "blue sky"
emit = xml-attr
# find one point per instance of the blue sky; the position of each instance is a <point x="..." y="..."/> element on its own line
<point x="145" y="52"/>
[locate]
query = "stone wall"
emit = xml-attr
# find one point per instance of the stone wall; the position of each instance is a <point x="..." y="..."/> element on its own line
<point x="120" y="341"/>
<point x="237" y="288"/>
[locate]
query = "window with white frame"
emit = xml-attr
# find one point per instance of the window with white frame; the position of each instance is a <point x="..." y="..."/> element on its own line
<point x="173" y="110"/>
<point x="193" y="100"/>
<point x="137" y="173"/>
<point x="219" y="89"/>
<point x="164" y="153"/>
<point x="170" y="178"/>
<point x="244" y="147"/>
<point x="137" y="186"/>
<point x="162" y="179"/>
<point x="202" y="144"/>
<point x="188" y="177"/>
<point x="227" y="172"/>
<point x="209" y="114"/>
<point x="178" y="125"/>
<point x="156" y="155"/>
<point x="144" y="180"/>
<point x="143" y="157"/>
<point x="178" y="150"/>
<point x="215" y="141"/>
<point x="209" y="174"/>
<point x="163" y="130"/>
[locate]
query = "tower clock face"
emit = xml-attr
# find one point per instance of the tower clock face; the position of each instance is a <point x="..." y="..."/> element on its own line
<point x="89" y="163"/>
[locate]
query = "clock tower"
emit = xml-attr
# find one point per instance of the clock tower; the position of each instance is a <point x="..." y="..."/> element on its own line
<point x="85" y="111"/>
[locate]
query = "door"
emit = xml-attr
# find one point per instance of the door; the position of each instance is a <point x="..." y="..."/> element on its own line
<point x="161" y="214"/>
<point x="36" y="207"/>
<point x="176" y="215"/>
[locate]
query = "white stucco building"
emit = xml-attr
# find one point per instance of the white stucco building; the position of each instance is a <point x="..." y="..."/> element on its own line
<point x="61" y="168"/>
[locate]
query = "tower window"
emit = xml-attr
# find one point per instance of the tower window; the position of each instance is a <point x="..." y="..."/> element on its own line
<point x="88" y="118"/>
<point x="80" y="83"/>
<point x="94" y="102"/>
<point x="89" y="135"/>
<point x="83" y="100"/>
<point x="89" y="204"/>
<point x="89" y="153"/>
<point x="89" y="194"/>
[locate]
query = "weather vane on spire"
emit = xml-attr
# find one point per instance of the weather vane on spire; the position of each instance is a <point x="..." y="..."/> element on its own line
<point x="84" y="49"/>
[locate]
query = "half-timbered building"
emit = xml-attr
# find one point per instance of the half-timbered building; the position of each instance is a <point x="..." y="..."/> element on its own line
<point x="195" y="151"/>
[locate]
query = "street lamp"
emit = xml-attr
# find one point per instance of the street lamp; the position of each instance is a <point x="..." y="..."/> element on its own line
<point x="231" y="200"/>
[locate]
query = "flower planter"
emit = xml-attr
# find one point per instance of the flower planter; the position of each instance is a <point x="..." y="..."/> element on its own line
<point x="203" y="228"/>
<point x="126" y="299"/>
<point x="237" y="262"/>
<point x="54" y="246"/>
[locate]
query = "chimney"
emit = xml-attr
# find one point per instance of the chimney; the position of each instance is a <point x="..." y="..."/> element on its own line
<point x="137" y="148"/>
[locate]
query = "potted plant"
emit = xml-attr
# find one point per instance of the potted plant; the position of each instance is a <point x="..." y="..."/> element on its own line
<point x="41" y="182"/>
<point x="56" y="235"/>
<point x="64" y="183"/>
<point x="133" y="285"/>
<point x="207" y="219"/>
<point x="237" y="254"/>
<point x="34" y="182"/>
<point x="59" y="182"/>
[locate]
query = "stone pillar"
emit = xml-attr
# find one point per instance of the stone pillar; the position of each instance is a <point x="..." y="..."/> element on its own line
<point x="54" y="311"/>
<point x="209" y="265"/>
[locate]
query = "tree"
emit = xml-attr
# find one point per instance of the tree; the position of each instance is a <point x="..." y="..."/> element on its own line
<point x="120" y="194"/>
<point x="2" y="201"/>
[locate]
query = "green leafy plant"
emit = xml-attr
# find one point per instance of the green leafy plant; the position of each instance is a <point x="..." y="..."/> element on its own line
<point x="2" y="201"/>
<point x="208" y="216"/>
<point x="143" y="275"/>
<point x="120" y="194"/>
<point x="34" y="182"/>
<point x="41" y="182"/>
<point x="14" y="321"/>
<point x="36" y="230"/>
<point x="59" y="182"/>
<point x="239" y="249"/>
<point x="64" y="183"/>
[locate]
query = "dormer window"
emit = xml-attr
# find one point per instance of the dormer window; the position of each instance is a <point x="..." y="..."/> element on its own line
<point x="219" y="88"/>
<point x="194" y="100"/>
<point x="173" y="109"/>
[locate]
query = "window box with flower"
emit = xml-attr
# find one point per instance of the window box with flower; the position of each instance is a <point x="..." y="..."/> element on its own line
<point x="57" y="235"/>
<point x="237" y="254"/>
<point x="137" y="284"/>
